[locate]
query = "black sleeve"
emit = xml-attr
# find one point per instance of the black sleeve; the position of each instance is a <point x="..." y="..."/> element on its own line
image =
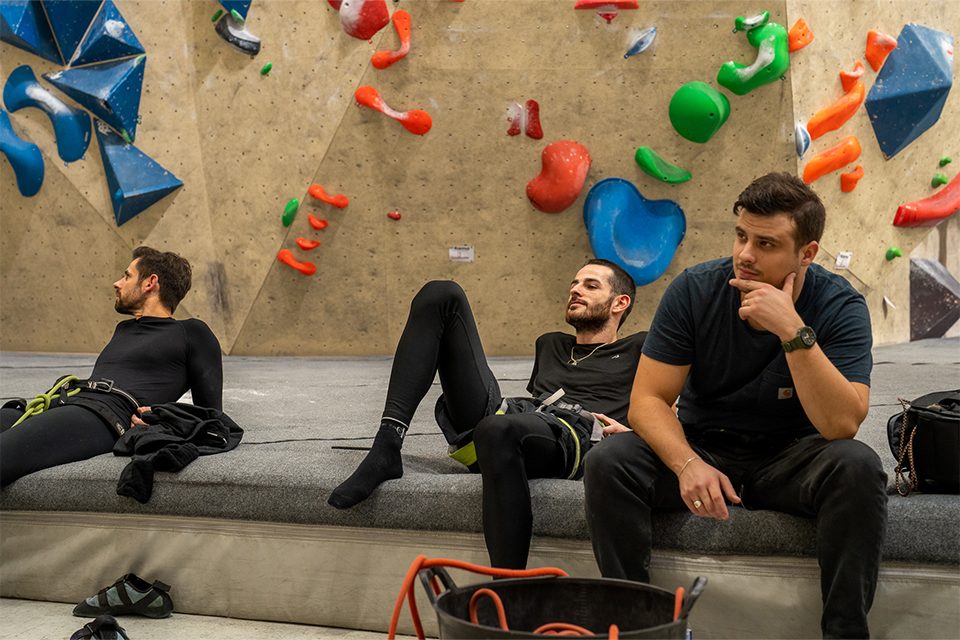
<point x="536" y="366"/>
<point x="204" y="365"/>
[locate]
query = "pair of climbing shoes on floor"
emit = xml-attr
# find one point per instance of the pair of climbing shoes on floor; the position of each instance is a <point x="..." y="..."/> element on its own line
<point x="103" y="628"/>
<point x="129" y="595"/>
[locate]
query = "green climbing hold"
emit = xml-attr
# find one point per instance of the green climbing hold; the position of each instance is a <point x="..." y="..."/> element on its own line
<point x="236" y="16"/>
<point x="653" y="165"/>
<point x="290" y="211"/>
<point x="945" y="160"/>
<point x="126" y="137"/>
<point x="938" y="180"/>
<point x="266" y="68"/>
<point x="697" y="111"/>
<point x="893" y="252"/>
<point x="746" y="24"/>
<point x="217" y="15"/>
<point x="773" y="58"/>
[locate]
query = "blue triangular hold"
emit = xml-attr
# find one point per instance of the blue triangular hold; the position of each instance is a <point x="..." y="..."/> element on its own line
<point x="24" y="25"/>
<point x="135" y="179"/>
<point x="240" y="6"/>
<point x="911" y="88"/>
<point x="110" y="90"/>
<point x="69" y="20"/>
<point x="109" y="37"/>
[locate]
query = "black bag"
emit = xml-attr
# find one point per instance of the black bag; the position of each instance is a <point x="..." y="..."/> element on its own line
<point x="925" y="441"/>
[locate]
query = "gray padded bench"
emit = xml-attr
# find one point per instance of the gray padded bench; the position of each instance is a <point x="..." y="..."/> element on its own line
<point x="249" y="534"/>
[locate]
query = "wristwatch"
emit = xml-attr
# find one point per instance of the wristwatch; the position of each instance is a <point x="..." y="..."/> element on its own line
<point x="805" y="339"/>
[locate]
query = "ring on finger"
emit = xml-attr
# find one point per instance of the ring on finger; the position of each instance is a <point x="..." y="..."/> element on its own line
<point x="697" y="504"/>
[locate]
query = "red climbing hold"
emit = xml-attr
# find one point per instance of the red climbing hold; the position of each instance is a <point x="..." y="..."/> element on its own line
<point x="286" y="257"/>
<point x="848" y="181"/>
<point x="514" y="117"/>
<point x="930" y="211"/>
<point x="565" y="167"/>
<point x="335" y="4"/>
<point x="340" y="201"/>
<point x="362" y="19"/>
<point x="879" y="46"/>
<point x="317" y="223"/>
<point x="307" y="245"/>
<point x="394" y="215"/>
<point x="401" y="22"/>
<point x="415" y="121"/>
<point x="532" y="113"/>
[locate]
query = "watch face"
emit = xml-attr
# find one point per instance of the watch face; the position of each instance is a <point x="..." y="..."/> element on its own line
<point x="807" y="336"/>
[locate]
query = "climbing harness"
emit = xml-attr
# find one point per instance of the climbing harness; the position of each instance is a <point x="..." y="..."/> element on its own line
<point x="42" y="402"/>
<point x="69" y="387"/>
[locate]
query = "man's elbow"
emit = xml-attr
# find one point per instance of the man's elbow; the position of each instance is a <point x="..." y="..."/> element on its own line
<point x="843" y="428"/>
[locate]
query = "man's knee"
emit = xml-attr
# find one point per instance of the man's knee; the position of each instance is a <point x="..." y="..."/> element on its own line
<point x="605" y="462"/>
<point x="854" y="467"/>
<point x="438" y="293"/>
<point x="494" y="437"/>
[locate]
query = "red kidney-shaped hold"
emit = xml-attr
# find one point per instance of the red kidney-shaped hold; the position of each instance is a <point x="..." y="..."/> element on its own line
<point x="565" y="166"/>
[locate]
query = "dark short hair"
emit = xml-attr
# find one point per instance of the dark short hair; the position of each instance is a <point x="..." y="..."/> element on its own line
<point x="173" y="272"/>
<point x="785" y="193"/>
<point x="621" y="282"/>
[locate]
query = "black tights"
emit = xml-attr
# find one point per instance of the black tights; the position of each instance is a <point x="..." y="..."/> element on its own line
<point x="57" y="436"/>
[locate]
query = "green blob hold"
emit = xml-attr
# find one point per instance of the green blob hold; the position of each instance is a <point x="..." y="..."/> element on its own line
<point x="653" y="165"/>
<point x="893" y="252"/>
<point x="236" y="16"/>
<point x="745" y="24"/>
<point x="290" y="212"/>
<point x="938" y="180"/>
<point x="945" y="160"/>
<point x="697" y="111"/>
<point x="773" y="60"/>
<point x="217" y="15"/>
<point x="266" y="68"/>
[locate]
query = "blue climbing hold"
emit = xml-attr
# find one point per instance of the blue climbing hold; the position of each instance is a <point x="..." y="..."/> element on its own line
<point x="24" y="157"/>
<point x="110" y="90"/>
<point x="23" y="24"/>
<point x="642" y="42"/>
<point x="801" y="138"/>
<point x="135" y="180"/>
<point x="110" y="37"/>
<point x="240" y="6"/>
<point x="640" y="235"/>
<point x="911" y="88"/>
<point x="70" y="20"/>
<point x="70" y="125"/>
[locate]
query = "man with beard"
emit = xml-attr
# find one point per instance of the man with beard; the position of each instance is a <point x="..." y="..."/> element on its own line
<point x="151" y="359"/>
<point x="579" y="387"/>
<point x="770" y="356"/>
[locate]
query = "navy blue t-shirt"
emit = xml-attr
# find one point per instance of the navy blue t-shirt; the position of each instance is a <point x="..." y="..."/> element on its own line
<point x="739" y="379"/>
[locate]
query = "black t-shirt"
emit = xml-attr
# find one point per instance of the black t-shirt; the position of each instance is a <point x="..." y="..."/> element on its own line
<point x="158" y="359"/>
<point x="600" y="383"/>
<point x="739" y="378"/>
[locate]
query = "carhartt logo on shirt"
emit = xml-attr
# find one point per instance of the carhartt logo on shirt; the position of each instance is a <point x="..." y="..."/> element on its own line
<point x="784" y="393"/>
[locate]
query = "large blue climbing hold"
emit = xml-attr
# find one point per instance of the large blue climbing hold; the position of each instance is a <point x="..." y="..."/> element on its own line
<point x="24" y="157"/>
<point x="109" y="37"/>
<point x="23" y="24"/>
<point x="70" y="20"/>
<point x="136" y="180"/>
<point x="240" y="6"/>
<point x="912" y="87"/>
<point x="70" y="125"/>
<point x="110" y="90"/>
<point x="640" y="235"/>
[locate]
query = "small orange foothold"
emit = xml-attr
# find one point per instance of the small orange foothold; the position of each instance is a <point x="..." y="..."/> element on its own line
<point x="394" y="215"/>
<point x="317" y="223"/>
<point x="849" y="78"/>
<point x="832" y="117"/>
<point x="799" y="36"/>
<point x="879" y="46"/>
<point x="340" y="201"/>
<point x="307" y="245"/>
<point x="286" y="257"/>
<point x="837" y="156"/>
<point x="848" y="181"/>
<point x="401" y="22"/>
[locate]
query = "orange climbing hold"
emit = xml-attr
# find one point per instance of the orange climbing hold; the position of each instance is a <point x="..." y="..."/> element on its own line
<point x="879" y="46"/>
<point x="930" y="211"/>
<point x="415" y="121"/>
<point x="837" y="156"/>
<point x="848" y="181"/>
<point x="317" y="223"/>
<point x="849" y="78"/>
<point x="307" y="245"/>
<point x="286" y="257"/>
<point x="340" y="201"/>
<point x="799" y="36"/>
<point x="401" y="22"/>
<point x="832" y="117"/>
<point x="565" y="167"/>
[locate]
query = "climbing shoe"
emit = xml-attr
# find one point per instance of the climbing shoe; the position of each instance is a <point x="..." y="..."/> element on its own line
<point x="129" y="595"/>
<point x="103" y="628"/>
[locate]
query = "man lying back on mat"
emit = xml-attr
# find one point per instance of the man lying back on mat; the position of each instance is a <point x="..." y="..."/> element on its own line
<point x="580" y="386"/>
<point x="151" y="359"/>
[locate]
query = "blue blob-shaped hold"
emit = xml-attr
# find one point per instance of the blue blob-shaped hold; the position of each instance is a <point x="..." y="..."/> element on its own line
<point x="640" y="235"/>
<point x="109" y="37"/>
<point x="71" y="125"/>
<point x="801" y="138"/>
<point x="24" y="25"/>
<point x="135" y="180"/>
<point x="110" y="90"/>
<point x="24" y="157"/>
<point x="911" y="88"/>
<point x="642" y="42"/>
<point x="240" y="6"/>
<point x="70" y="20"/>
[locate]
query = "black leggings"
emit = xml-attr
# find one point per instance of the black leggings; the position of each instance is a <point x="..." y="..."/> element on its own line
<point x="441" y="337"/>
<point x="57" y="436"/>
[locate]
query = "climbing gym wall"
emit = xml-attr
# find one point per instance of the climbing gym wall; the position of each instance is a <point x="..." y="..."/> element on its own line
<point x="441" y="195"/>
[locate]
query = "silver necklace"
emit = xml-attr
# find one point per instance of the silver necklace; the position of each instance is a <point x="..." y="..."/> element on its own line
<point x="575" y="361"/>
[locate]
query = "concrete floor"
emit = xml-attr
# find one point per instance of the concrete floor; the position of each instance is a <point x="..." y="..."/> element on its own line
<point x="22" y="619"/>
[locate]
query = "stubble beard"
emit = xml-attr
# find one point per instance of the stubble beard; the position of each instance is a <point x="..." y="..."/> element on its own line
<point x="591" y="318"/>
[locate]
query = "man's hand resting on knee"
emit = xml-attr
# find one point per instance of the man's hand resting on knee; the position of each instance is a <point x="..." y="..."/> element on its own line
<point x="703" y="488"/>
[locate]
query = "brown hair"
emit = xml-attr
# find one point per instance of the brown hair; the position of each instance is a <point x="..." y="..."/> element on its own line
<point x="173" y="272"/>
<point x="785" y="193"/>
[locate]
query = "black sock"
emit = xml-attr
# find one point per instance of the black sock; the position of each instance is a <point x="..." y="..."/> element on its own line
<point x="382" y="463"/>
